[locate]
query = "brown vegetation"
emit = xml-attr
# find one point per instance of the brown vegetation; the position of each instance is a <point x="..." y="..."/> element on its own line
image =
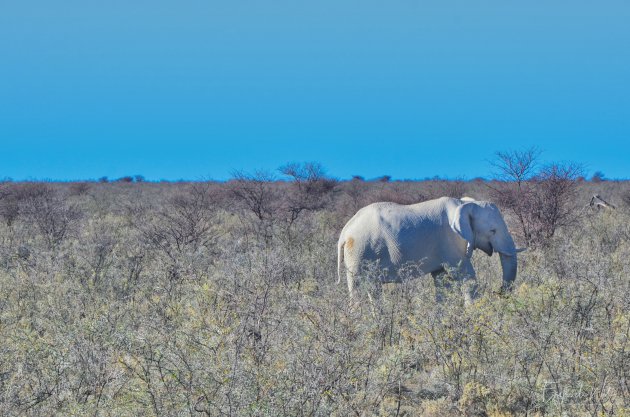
<point x="220" y="299"/>
<point x="541" y="199"/>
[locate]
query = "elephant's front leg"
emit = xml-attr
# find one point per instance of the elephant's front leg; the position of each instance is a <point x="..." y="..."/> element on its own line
<point x="462" y="272"/>
<point x="468" y="278"/>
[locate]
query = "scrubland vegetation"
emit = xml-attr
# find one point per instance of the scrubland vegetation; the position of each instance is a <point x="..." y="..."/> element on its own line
<point x="220" y="299"/>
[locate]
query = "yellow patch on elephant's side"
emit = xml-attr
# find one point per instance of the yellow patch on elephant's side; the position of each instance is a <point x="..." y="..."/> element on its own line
<point x="349" y="243"/>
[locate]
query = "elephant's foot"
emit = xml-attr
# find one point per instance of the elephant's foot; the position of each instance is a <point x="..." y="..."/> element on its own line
<point x="470" y="291"/>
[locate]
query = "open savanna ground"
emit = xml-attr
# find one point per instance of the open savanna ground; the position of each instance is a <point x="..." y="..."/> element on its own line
<point x="221" y="299"/>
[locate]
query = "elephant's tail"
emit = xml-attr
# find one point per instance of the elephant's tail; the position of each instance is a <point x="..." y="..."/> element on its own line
<point x="340" y="246"/>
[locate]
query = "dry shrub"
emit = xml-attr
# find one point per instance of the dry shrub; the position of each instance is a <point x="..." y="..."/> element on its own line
<point x="268" y="208"/>
<point x="356" y="195"/>
<point x="98" y="326"/>
<point x="255" y="193"/>
<point x="80" y="188"/>
<point x="44" y="207"/>
<point x="541" y="200"/>
<point x="311" y="189"/>
<point x="184" y="224"/>
<point x="445" y="188"/>
<point x="258" y="202"/>
<point x="9" y="202"/>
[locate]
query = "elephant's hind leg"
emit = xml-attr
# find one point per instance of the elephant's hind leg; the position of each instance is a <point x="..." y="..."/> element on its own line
<point x="352" y="278"/>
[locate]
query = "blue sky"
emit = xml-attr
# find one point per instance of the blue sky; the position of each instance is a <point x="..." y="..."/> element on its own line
<point x="196" y="89"/>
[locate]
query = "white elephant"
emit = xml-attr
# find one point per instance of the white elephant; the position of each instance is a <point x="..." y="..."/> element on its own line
<point x="435" y="234"/>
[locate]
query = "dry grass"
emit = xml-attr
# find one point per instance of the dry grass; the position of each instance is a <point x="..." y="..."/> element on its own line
<point x="179" y="299"/>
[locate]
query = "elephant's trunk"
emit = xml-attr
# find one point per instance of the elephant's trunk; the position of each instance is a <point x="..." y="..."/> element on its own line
<point x="508" y="263"/>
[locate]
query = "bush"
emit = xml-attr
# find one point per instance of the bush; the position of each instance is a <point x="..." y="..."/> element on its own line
<point x="162" y="299"/>
<point x="49" y="212"/>
<point x="541" y="200"/>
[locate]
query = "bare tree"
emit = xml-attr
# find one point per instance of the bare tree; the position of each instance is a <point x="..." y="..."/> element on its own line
<point x="516" y="166"/>
<point x="556" y="185"/>
<point x="256" y="194"/>
<point x="311" y="188"/>
<point x="53" y="216"/>
<point x="538" y="198"/>
<point x="185" y="223"/>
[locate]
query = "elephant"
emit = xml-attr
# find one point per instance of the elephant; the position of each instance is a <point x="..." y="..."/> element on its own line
<point x="436" y="235"/>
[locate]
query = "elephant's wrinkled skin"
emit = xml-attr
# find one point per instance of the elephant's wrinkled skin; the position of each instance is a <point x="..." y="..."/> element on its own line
<point x="434" y="234"/>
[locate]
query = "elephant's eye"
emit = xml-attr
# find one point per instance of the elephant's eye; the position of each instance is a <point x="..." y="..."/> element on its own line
<point x="493" y="231"/>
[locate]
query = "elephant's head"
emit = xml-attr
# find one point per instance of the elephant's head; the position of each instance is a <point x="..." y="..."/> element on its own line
<point x="482" y="226"/>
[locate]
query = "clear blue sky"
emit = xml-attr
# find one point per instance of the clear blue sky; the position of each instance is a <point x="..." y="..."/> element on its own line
<point x="196" y="89"/>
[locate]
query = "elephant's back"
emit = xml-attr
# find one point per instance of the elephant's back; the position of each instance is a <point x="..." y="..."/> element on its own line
<point x="400" y="218"/>
<point x="377" y="215"/>
<point x="412" y="215"/>
<point x="404" y="229"/>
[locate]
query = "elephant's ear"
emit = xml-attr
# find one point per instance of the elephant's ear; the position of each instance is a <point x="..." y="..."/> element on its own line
<point x="461" y="223"/>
